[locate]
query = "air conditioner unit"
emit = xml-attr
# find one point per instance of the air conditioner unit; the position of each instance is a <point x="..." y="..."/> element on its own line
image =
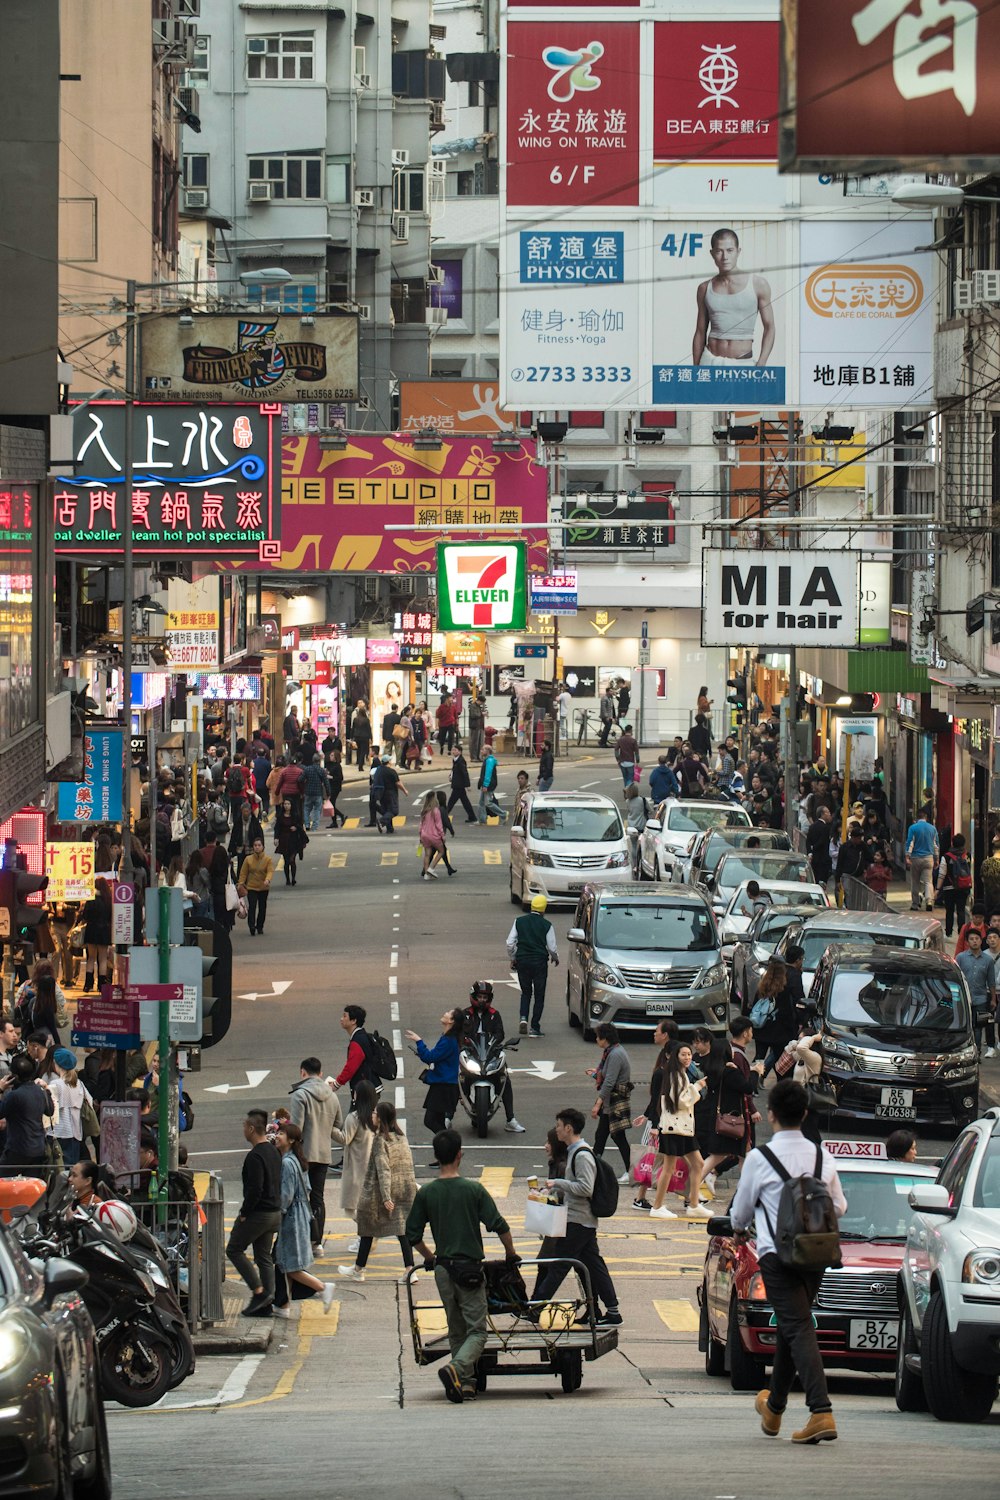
<point x="964" y="300"/>
<point x="400" y="228"/>
<point x="435" y="274"/>
<point x="363" y="80"/>
<point x="365" y="311"/>
<point x="986" y="286"/>
<point x="198" y="197"/>
<point x="435" y="315"/>
<point x="258" y="192"/>
<point x="189" y="101"/>
<point x="174" y="34"/>
<point x="256" y="44"/>
<point x="362" y="404"/>
<point x="401" y="158"/>
<point x="364" y="198"/>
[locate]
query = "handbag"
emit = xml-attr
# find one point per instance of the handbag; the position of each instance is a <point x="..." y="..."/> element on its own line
<point x="177" y="828"/>
<point x="76" y="938"/>
<point x="785" y="1062"/>
<point x="232" y="896"/>
<point x="90" y="1125"/>
<point x="545" y="1218"/>
<point x="733" y="1127"/>
<point x="822" y="1098"/>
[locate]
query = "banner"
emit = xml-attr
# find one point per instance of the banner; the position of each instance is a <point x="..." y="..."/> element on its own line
<point x="70" y="868"/>
<point x="482" y="586"/>
<point x="236" y="357"/>
<point x="98" y="798"/>
<point x="453" y="406"/>
<point x="779" y="599"/>
<point x="554" y="594"/>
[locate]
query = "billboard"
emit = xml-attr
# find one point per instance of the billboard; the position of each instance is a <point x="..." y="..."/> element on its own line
<point x="779" y="599"/>
<point x="453" y="406"/>
<point x="238" y="357"/>
<point x="482" y="586"/>
<point x="874" y="86"/>
<point x="98" y="798"/>
<point x="205" y="481"/>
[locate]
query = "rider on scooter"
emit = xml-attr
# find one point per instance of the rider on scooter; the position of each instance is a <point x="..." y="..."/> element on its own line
<point x="481" y="1018"/>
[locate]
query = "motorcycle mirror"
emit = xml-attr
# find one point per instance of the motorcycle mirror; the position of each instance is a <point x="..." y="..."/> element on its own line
<point x="513" y="1041"/>
<point x="62" y="1276"/>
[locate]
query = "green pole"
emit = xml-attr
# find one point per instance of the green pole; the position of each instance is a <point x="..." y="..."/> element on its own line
<point x="164" y="1044"/>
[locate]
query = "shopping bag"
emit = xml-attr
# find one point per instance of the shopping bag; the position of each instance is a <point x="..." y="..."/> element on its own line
<point x="545" y="1218"/>
<point x="232" y="896"/>
<point x="643" y="1173"/>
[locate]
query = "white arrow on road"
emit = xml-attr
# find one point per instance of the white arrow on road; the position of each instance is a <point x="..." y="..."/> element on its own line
<point x="279" y="986"/>
<point x="540" y="1069"/>
<point x="254" y="1081"/>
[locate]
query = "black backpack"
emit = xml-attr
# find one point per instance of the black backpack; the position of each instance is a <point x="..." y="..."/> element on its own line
<point x="806" y="1236"/>
<point x="234" y="781"/>
<point x="604" y="1198"/>
<point x="381" y="1058"/>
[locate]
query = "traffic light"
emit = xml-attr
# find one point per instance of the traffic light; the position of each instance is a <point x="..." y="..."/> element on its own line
<point x="738" y="697"/>
<point x="217" y="978"/>
<point x="16" y="887"/>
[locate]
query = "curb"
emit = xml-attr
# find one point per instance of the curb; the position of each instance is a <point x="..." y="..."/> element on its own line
<point x="227" y="1341"/>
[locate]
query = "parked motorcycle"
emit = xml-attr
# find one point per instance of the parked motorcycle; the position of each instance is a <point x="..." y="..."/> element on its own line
<point x="482" y="1076"/>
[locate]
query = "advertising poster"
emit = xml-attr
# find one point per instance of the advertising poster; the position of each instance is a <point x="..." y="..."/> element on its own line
<point x="866" y="315"/>
<point x="98" y="798"/>
<point x="720" y="313"/>
<point x="70" y="868"/>
<point x="779" y="599"/>
<point x="482" y="586"/>
<point x="220" y="357"/>
<point x="453" y="406"/>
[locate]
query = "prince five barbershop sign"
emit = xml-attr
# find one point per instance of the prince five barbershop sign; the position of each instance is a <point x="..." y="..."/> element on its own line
<point x="205" y="480"/>
<point x="779" y="599"/>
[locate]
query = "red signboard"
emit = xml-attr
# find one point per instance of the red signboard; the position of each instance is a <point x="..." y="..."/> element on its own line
<point x="573" y="112"/>
<point x="715" y="90"/>
<point x="114" y="1010"/>
<point x="891" y="82"/>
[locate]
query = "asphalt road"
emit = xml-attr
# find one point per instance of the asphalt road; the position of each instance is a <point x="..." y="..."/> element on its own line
<point x="361" y="926"/>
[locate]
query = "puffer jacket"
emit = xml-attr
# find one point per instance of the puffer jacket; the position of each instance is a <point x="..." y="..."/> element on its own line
<point x="289" y="784"/>
<point x="681" y="1120"/>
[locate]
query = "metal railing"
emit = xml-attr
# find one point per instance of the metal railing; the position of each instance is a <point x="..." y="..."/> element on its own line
<point x="192" y="1236"/>
<point x="859" y="897"/>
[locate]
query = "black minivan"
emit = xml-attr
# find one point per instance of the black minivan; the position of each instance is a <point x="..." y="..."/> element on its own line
<point x="897" y="1036"/>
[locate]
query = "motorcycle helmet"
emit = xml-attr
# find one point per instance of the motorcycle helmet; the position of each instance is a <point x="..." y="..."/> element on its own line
<point x="481" y="993"/>
<point x="118" y="1217"/>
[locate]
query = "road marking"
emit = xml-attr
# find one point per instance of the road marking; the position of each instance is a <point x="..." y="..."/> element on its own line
<point x="254" y="1081"/>
<point x="393" y="985"/>
<point x="395" y="914"/>
<point x="315" y="1322"/>
<point x="394" y="1011"/>
<point x="278" y="987"/>
<point x="677" y="1313"/>
<point x="400" y="1066"/>
<point x="396" y="881"/>
<point x="279" y="863"/>
<point x="492" y="857"/>
<point x="285" y="1383"/>
<point x="399" y="821"/>
<point x="539" y="1069"/>
<point x="233" y="1388"/>
<point x="497" y="1180"/>
<point x="400" y="1097"/>
<point x="584" y="786"/>
<point x="351" y="822"/>
<point x="393" y="960"/>
<point x="339" y="860"/>
<point x="397" y="1041"/>
<point x="390" y="858"/>
<point x="493" y="821"/>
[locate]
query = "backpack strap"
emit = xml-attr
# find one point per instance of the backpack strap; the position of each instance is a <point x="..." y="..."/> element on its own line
<point x="819" y="1163"/>
<point x="785" y="1176"/>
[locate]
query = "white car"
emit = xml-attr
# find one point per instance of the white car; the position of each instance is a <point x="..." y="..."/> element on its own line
<point x="736" y="918"/>
<point x="767" y="867"/>
<point x="562" y="840"/>
<point x="675" y="825"/>
<point x="948" y="1355"/>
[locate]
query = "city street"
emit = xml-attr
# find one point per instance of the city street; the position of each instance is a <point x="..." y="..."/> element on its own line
<point x="361" y="926"/>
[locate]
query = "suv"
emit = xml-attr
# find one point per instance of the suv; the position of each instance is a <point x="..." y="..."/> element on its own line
<point x="673" y="827"/>
<point x="948" y="1355"/>
<point x="639" y="953"/>
<point x="910" y="930"/>
<point x="562" y="839"/>
<point x="710" y="848"/>
<point x="897" y="1035"/>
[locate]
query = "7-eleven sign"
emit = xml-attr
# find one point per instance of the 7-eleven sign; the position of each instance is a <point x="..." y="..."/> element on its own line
<point x="482" y="586"/>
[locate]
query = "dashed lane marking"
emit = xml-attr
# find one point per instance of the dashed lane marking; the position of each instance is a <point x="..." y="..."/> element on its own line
<point x="393" y="985"/>
<point x="394" y="1011"/>
<point x="497" y="1180"/>
<point x="393" y="960"/>
<point x="491" y="857"/>
<point x="390" y="858"/>
<point x="677" y="1313"/>
<point x="338" y="860"/>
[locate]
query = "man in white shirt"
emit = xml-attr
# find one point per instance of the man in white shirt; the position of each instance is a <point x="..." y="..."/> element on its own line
<point x="565" y="702"/>
<point x="790" y="1292"/>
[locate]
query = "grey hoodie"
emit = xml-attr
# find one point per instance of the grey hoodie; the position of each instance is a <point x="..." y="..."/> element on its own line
<point x="315" y="1109"/>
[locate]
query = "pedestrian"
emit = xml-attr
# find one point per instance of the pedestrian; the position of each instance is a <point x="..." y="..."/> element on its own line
<point x="878" y="876"/>
<point x="606" y="710"/>
<point x="315" y="1109"/>
<point x="677" y="1136"/>
<point x="976" y="923"/>
<point x="778" y="1023"/>
<point x="624" y="699"/>
<point x="980" y="975"/>
<point x="455" y="1207"/>
<point x="990" y="1030"/>
<point x="291" y="784"/>
<point x="923" y="851"/>
<point x="627" y="755"/>
<point x="357" y="1138"/>
<point x="564" y="704"/>
<point x="555" y="1153"/>
<point x="818" y="844"/>
<point x="335" y="776"/>
<point x="447" y="720"/>
<point x="262" y="769"/>
<point x="477" y="727"/>
<point x="489" y="775"/>
<point x="24" y="1106"/>
<point x="518" y="815"/>
<point x="26" y="994"/>
<point x="290" y="838"/>
<point x="291" y="731"/>
<point x="704" y="705"/>
<point x="361" y="736"/>
<point x="96" y="919"/>
<point x="728" y="1098"/>
<point x="575" y="1188"/>
<point x="663" y="781"/>
<point x="901" y="1145"/>
<point x="531" y="947"/>
<point x="989" y="875"/>
<point x="391" y="784"/>
<point x="316" y="784"/>
<point x="546" y="767"/>
<point x="853" y="859"/>
<point x="387" y="1193"/>
<point x="68" y="1095"/>
<point x="481" y="1019"/>
<point x="664" y="1037"/>
<point x="460" y="783"/>
<point x="359" y="1067"/>
<point x="390" y="721"/>
<point x="954" y="882"/>
<point x="791" y="1291"/>
<point x="374" y="787"/>
<point x="245" y="833"/>
<point x="259" y="1218"/>
<point x="292" y="1250"/>
<point x="441" y="1073"/>
<point x="700" y="736"/>
<point x="431" y="837"/>
<point x="612" y="1107"/>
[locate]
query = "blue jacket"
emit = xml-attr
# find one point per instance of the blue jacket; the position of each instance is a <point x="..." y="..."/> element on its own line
<point x="443" y="1059"/>
<point x="921" y="839"/>
<point x="663" y="783"/>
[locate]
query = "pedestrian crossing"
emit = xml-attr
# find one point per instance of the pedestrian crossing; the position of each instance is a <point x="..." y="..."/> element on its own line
<point x="338" y="859"/>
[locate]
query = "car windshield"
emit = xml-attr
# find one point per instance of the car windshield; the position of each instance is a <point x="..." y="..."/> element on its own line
<point x="576" y="825"/>
<point x="877" y="1207"/>
<point x="655" y="929"/>
<point x="762" y="868"/>
<point x="897" y="1001"/>
<point x="718" y="846"/>
<point x="987" y="1194"/>
<point x="773" y="926"/>
<point x="815" y="944"/>
<point x="698" y="819"/>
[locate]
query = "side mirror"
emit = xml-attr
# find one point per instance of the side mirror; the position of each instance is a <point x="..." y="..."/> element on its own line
<point x="62" y="1276"/>
<point x="516" y="831"/>
<point x="932" y="1198"/>
<point x="512" y="1042"/>
<point x="728" y="952"/>
<point x="654" y="825"/>
<point x="576" y="935"/>
<point x="719" y="1224"/>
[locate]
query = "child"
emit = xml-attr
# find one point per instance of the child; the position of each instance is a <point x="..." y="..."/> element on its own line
<point x="275" y="1122"/>
<point x="878" y="874"/>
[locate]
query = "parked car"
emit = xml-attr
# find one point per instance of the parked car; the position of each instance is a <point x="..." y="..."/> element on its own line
<point x="638" y="953"/>
<point x="897" y="1036"/>
<point x="710" y="847"/>
<point x="861" y="929"/>
<point x="948" y="1354"/>
<point x="856" y="1313"/>
<point x="760" y="865"/>
<point x="735" y="920"/>
<point x="749" y="952"/>
<point x="672" y="827"/>
<point x="563" y="840"/>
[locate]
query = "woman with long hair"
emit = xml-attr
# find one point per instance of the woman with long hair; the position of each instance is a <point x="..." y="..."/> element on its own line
<point x="357" y="1138"/>
<point x="432" y="836"/>
<point x="335" y="774"/>
<point x="198" y="884"/>
<point x="289" y="837"/>
<point x="389" y="1189"/>
<point x="25" y="996"/>
<point x="727" y="1093"/>
<point x="68" y="1094"/>
<point x="96" y="917"/>
<point x="677" y="1137"/>
<point x="773" y="1034"/>
<point x="44" y="1007"/>
<point x="293" y="1250"/>
<point x="441" y="1073"/>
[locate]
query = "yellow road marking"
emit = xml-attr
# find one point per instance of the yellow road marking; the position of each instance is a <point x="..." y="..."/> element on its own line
<point x="351" y="823"/>
<point x="677" y="1313"/>
<point x="285" y="1384"/>
<point x="313" y="1321"/>
<point x="399" y="821"/>
<point x="497" y="1180"/>
<point x="338" y="860"/>
<point x="491" y="857"/>
<point x="389" y="858"/>
<point x="279" y="863"/>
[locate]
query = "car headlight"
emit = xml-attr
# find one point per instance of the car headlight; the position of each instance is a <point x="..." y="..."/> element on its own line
<point x="603" y="975"/>
<point x="833" y="1048"/>
<point x="470" y="1063"/>
<point x="716" y="974"/>
<point x="982" y="1266"/>
<point x="13" y="1344"/>
<point x="535" y="858"/>
<point x="616" y="861"/>
<point x="757" y="1291"/>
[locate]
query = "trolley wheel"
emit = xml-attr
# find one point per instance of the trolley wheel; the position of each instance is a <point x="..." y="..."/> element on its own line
<point x="571" y="1371"/>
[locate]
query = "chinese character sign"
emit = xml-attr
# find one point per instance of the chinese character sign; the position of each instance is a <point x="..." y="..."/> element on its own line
<point x="98" y="798"/>
<point x="205" y="480"/>
<point x="892" y="82"/>
<point x="70" y="868"/>
<point x="572" y="99"/>
<point x="453" y="406"/>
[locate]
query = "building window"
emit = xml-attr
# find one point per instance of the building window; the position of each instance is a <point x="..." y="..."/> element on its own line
<point x="196" y="76"/>
<point x="286" y="57"/>
<point x="586" y="418"/>
<point x="289" y="176"/>
<point x="338" y="179"/>
<point x="290" y="297"/>
<point x="661" y="419"/>
<point x="409" y="192"/>
<point x="194" y="171"/>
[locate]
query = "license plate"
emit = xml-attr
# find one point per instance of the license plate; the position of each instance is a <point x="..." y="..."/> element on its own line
<point x="574" y="890"/>
<point x="873" y="1333"/>
<point x="897" y="1104"/>
<point x="659" y="1007"/>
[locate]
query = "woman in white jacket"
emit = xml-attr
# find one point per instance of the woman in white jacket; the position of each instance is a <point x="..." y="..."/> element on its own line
<point x="677" y="1137"/>
<point x="357" y="1139"/>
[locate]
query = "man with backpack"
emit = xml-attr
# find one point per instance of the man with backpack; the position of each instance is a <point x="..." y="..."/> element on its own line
<point x="954" y="882"/>
<point x="791" y="1189"/>
<point x="590" y="1192"/>
<point x="369" y="1058"/>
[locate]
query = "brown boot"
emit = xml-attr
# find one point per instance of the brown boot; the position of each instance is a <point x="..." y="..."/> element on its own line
<point x="820" y="1428"/>
<point x="770" y="1421"/>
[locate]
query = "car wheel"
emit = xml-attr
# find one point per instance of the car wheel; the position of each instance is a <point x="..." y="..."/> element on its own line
<point x="715" y="1353"/>
<point x="909" y="1387"/>
<point x="746" y="1371"/>
<point x="574" y="1020"/>
<point x="953" y="1394"/>
<point x="97" y="1485"/>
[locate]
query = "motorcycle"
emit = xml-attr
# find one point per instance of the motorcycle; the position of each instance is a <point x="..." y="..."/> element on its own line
<point x="482" y="1077"/>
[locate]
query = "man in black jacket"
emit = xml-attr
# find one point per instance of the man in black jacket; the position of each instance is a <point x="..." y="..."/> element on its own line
<point x="23" y="1103"/>
<point x="818" y="845"/>
<point x="259" y="1217"/>
<point x="460" y="783"/>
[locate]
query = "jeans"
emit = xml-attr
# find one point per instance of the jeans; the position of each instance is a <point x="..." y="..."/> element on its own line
<point x="258" y="1230"/>
<point x="460" y="794"/>
<point x="954" y="908"/>
<point x="627" y="768"/>
<point x="317" y="1198"/>
<point x="796" y="1351"/>
<point x="465" y="1309"/>
<point x="606" y="727"/>
<point x="477" y="737"/>
<point x="313" y="813"/>
<point x="488" y="804"/>
<point x="70" y="1149"/>
<point x="532" y="978"/>
<point x="579" y="1243"/>
<point x="921" y="889"/>
<point x="256" y="910"/>
<point x="446" y="738"/>
<point x="545" y="783"/>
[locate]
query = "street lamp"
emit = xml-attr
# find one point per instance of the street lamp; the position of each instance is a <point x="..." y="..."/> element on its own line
<point x="938" y="195"/>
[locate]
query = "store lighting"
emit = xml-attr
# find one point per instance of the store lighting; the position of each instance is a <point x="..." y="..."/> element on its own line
<point x="337" y="439"/>
<point x="427" y="440"/>
<point x="844" y="701"/>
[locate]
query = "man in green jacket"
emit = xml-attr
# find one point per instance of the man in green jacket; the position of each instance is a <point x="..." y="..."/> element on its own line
<point x="531" y="944"/>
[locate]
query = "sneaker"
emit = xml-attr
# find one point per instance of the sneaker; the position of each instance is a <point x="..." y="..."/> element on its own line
<point x="661" y="1213"/>
<point x="643" y="1204"/>
<point x="449" y="1378"/>
<point x="989" y="1052"/>
<point x="281" y="1312"/>
<point x="431" y="875"/>
<point x="327" y="1294"/>
<point x="610" y="1319"/>
<point x="354" y="1244"/>
<point x="697" y="1211"/>
<point x="257" y="1310"/>
<point x="625" y="1178"/>
<point x="536" y="1031"/>
<point x="583" y="1321"/>
<point x="514" y="1127"/>
<point x="522" y="1028"/>
<point x="351" y="1273"/>
<point x="709" y="1181"/>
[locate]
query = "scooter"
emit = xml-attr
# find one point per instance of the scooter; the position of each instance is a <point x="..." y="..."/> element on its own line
<point x="482" y="1077"/>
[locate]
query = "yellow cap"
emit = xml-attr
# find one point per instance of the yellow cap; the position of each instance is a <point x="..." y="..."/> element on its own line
<point x="538" y="903"/>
